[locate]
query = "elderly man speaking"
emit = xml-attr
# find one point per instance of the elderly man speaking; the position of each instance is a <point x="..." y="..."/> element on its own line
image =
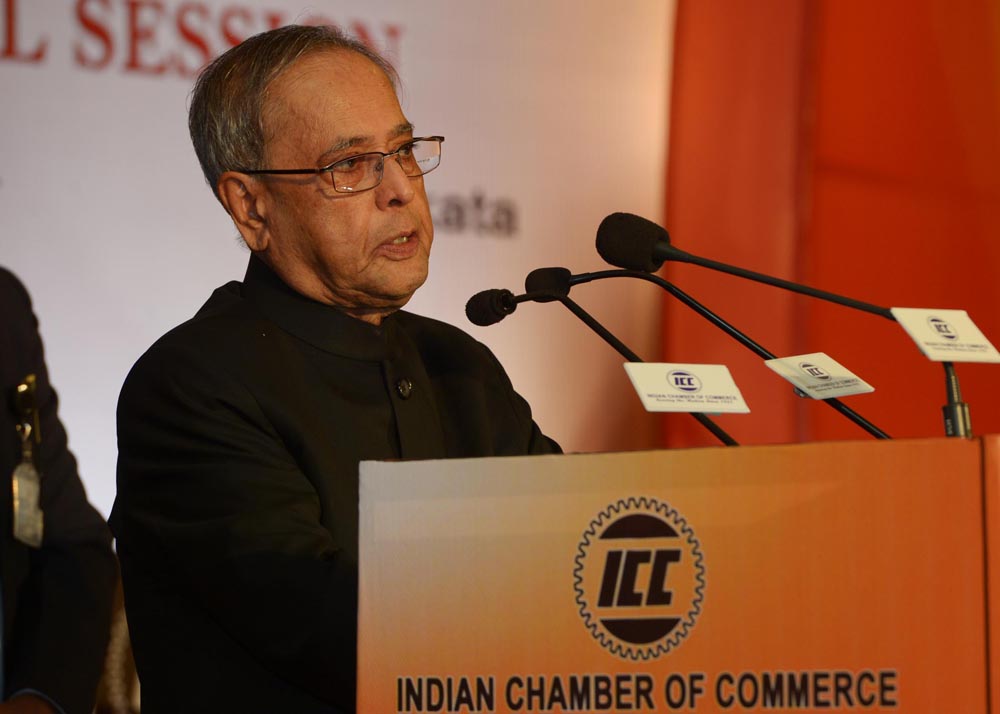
<point x="240" y="431"/>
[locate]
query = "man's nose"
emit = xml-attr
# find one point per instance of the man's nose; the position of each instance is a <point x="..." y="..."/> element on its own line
<point x="396" y="187"/>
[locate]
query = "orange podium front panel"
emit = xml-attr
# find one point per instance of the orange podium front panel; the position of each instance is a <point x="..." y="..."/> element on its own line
<point x="991" y="469"/>
<point x="820" y="577"/>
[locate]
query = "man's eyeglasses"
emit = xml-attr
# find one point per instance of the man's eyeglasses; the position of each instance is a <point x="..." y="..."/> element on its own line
<point x="364" y="171"/>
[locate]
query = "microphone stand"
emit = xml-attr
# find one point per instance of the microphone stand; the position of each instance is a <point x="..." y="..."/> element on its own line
<point x="631" y="356"/>
<point x="726" y="327"/>
<point x="957" y="421"/>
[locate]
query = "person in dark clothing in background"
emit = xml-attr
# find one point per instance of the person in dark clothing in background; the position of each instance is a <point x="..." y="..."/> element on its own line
<point x="57" y="570"/>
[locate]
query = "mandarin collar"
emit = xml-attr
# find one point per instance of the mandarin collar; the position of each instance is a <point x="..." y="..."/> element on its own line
<point x="322" y="326"/>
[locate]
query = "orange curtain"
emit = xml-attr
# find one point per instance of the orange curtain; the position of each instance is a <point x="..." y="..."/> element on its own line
<point x="849" y="145"/>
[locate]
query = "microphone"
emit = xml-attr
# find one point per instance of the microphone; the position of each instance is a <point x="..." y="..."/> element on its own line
<point x="552" y="281"/>
<point x="489" y="307"/>
<point x="632" y="242"/>
<point x="635" y="243"/>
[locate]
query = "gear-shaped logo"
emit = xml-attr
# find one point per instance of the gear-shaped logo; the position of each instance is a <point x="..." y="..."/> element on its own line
<point x="639" y="578"/>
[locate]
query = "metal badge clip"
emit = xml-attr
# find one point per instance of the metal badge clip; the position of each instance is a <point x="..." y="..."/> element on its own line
<point x="26" y="481"/>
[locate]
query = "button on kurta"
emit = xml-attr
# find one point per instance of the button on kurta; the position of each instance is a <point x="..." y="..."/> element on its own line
<point x="404" y="388"/>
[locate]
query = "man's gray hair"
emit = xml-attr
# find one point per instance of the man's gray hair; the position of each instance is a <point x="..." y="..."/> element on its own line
<point x="226" y="117"/>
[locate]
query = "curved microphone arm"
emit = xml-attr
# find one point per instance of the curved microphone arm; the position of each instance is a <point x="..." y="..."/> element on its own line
<point x="676" y="254"/>
<point x="726" y="327"/>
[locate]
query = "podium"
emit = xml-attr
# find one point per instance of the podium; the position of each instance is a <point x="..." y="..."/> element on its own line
<point x="853" y="576"/>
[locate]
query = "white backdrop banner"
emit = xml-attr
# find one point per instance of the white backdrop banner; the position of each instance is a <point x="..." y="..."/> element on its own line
<point x="555" y="115"/>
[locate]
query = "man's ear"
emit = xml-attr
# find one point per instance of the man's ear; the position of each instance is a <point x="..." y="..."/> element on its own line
<point x="242" y="196"/>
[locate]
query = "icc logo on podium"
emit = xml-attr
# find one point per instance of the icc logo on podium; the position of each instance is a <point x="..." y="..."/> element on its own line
<point x="639" y="578"/>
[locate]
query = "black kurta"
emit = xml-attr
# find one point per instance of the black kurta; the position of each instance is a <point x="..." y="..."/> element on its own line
<point x="240" y="434"/>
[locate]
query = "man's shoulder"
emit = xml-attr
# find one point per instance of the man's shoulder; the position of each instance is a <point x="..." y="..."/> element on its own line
<point x="206" y="346"/>
<point x="215" y="329"/>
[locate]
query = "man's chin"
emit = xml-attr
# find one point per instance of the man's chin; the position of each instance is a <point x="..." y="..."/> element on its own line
<point x="404" y="287"/>
<point x="395" y="299"/>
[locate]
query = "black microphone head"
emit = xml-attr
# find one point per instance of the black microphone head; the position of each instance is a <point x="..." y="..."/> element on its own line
<point x="628" y="241"/>
<point x="489" y="307"/>
<point x="554" y="281"/>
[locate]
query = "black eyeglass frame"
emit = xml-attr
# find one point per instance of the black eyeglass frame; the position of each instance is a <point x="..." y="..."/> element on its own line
<point x="331" y="167"/>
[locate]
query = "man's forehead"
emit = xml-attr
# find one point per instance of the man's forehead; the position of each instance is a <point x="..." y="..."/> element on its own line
<point x="340" y="69"/>
<point x="339" y="93"/>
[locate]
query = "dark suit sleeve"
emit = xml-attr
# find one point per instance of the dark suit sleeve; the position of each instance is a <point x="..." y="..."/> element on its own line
<point x="209" y="495"/>
<point x="59" y="606"/>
